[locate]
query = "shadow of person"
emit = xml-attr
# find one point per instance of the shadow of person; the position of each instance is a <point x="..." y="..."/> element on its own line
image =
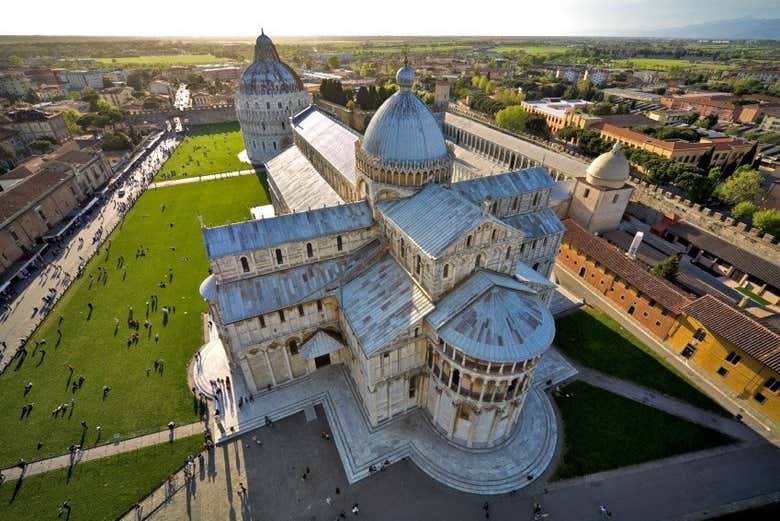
<point x="18" y="486"/>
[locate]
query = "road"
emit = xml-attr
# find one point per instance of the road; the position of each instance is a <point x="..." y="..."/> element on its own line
<point x="61" y="264"/>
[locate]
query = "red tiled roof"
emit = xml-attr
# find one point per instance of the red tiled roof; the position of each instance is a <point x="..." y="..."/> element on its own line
<point x="76" y="156"/>
<point x="638" y="137"/>
<point x="744" y="332"/>
<point x="31" y="190"/>
<point x="628" y="270"/>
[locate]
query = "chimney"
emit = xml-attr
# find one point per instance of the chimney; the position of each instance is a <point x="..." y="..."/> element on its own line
<point x="743" y="302"/>
<point x="635" y="245"/>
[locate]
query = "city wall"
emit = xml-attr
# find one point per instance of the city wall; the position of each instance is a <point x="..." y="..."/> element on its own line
<point x="738" y="233"/>
<point x="192" y="116"/>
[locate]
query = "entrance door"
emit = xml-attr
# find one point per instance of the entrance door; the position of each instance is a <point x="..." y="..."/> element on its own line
<point x="322" y="361"/>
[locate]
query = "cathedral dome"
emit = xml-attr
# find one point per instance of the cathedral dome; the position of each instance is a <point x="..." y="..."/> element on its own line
<point x="267" y="74"/>
<point x="404" y="129"/>
<point x="610" y="169"/>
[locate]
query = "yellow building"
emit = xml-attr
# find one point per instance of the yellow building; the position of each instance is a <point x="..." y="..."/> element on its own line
<point x="734" y="348"/>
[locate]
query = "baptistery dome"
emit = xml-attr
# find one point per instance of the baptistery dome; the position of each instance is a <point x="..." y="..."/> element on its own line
<point x="269" y="93"/>
<point x="404" y="129"/>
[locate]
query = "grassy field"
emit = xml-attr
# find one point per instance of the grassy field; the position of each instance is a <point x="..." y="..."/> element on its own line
<point x="534" y="50"/>
<point x="163" y="60"/>
<point x="591" y="338"/>
<point x="664" y="64"/>
<point x="750" y="294"/>
<point x="208" y="149"/>
<point x="137" y="402"/>
<point x="605" y="431"/>
<point x="96" y="490"/>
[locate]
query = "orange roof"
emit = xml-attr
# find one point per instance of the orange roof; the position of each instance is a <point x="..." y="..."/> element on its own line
<point x="637" y="138"/>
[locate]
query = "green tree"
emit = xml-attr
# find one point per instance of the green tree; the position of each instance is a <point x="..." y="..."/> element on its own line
<point x="31" y="97"/>
<point x="116" y="141"/>
<point x="91" y="96"/>
<point x="742" y="185"/>
<point x="41" y="146"/>
<point x="71" y="118"/>
<point x="7" y="153"/>
<point x="768" y="220"/>
<point x="743" y="210"/>
<point x="667" y="268"/>
<point x="333" y="62"/>
<point x="515" y="118"/>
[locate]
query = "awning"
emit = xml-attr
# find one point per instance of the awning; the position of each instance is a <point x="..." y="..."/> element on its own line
<point x="320" y="344"/>
<point x="16" y="268"/>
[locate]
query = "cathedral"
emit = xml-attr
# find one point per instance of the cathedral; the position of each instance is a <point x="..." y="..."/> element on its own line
<point x="434" y="294"/>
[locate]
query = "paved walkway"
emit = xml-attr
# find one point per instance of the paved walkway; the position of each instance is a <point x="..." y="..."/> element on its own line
<point x="667" y="404"/>
<point x="21" y="319"/>
<point x="102" y="451"/>
<point x="200" y="178"/>
<point x="511" y="466"/>
<point x="726" y="398"/>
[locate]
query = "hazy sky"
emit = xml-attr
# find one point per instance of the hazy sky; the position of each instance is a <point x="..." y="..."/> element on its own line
<point x="366" y="17"/>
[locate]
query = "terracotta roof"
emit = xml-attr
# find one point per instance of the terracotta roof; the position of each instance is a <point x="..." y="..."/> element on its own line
<point x="744" y="332"/>
<point x="25" y="194"/>
<point x="637" y="137"/>
<point x="76" y="156"/>
<point x="614" y="260"/>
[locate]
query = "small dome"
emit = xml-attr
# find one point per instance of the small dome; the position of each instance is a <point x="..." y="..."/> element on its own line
<point x="208" y="288"/>
<point x="404" y="129"/>
<point x="610" y="169"/>
<point x="267" y="74"/>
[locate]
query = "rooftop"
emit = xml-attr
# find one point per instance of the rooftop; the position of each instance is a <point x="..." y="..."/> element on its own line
<point x="330" y="138"/>
<point x="634" y="137"/>
<point x="505" y="185"/>
<point x="299" y="183"/>
<point x="614" y="260"/>
<point x="25" y="194"/>
<point x="264" y="233"/>
<point x="744" y="332"/>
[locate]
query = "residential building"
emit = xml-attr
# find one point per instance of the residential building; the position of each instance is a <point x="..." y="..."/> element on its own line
<point x="737" y="351"/>
<point x="677" y="149"/>
<point x="631" y="95"/>
<point x="668" y="117"/>
<point x="225" y="73"/>
<point x="50" y="92"/>
<point x="80" y="80"/>
<point x="597" y="77"/>
<point x="160" y="88"/>
<point x="33" y="124"/>
<point x="118" y="95"/>
<point x="771" y="121"/>
<point x="14" y="84"/>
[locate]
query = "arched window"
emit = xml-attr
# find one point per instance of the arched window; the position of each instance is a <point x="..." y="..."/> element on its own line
<point x="267" y="104"/>
<point x="536" y="267"/>
<point x="279" y="257"/>
<point x="468" y="241"/>
<point x="418" y="265"/>
<point x="455" y="378"/>
<point x="309" y="250"/>
<point x="514" y="203"/>
<point x="536" y="198"/>
<point x="282" y="125"/>
<point x="446" y="270"/>
<point x="274" y="143"/>
<point x="263" y="125"/>
<point x="339" y="243"/>
<point x="244" y="264"/>
<point x="508" y="252"/>
<point x="493" y="235"/>
<point x="478" y="261"/>
<point x="403" y="248"/>
<point x="293" y="345"/>
<point x="494" y="208"/>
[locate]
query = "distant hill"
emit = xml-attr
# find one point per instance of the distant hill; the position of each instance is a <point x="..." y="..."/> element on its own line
<point x="737" y="29"/>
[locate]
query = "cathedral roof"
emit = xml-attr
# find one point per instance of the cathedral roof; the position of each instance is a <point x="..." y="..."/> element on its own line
<point x="265" y="233"/>
<point x="505" y="185"/>
<point x="495" y="318"/>
<point x="382" y="303"/>
<point x="330" y="138"/>
<point x="267" y="74"/>
<point x="404" y="129"/>
<point x="298" y="183"/>
<point x="434" y="217"/>
<point x="537" y="223"/>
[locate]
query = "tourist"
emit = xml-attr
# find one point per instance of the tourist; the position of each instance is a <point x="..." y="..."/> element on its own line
<point x="355" y="509"/>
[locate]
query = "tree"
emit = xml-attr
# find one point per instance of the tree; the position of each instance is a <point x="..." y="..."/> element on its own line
<point x="7" y="153"/>
<point x="90" y="95"/>
<point x="667" y="268"/>
<point x="71" y="117"/>
<point x="601" y="109"/>
<point x="743" y="210"/>
<point x="333" y="62"/>
<point x="41" y="146"/>
<point x="152" y="103"/>
<point x="743" y="185"/>
<point x="515" y="118"/>
<point x="697" y="187"/>
<point x="117" y="141"/>
<point x="768" y="220"/>
<point x="31" y="97"/>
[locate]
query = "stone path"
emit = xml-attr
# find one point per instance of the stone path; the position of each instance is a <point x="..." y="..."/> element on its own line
<point x="20" y="321"/>
<point x="200" y="178"/>
<point x="509" y="467"/>
<point x="728" y="399"/>
<point x="667" y="404"/>
<point x="102" y="451"/>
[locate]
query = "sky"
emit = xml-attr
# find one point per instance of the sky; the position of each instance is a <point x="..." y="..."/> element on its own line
<point x="243" y="18"/>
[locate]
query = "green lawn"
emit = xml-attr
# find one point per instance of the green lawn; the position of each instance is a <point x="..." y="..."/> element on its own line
<point x="663" y="64"/>
<point x="136" y="402"/>
<point x="208" y="149"/>
<point x="163" y="59"/>
<point x="591" y="338"/>
<point x="96" y="490"/>
<point x="748" y="293"/>
<point x="605" y="431"/>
